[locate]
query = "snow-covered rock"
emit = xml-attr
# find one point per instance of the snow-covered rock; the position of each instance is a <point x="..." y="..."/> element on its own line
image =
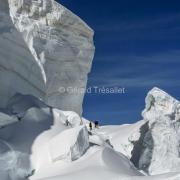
<point x="156" y="150"/>
<point x="51" y="52"/>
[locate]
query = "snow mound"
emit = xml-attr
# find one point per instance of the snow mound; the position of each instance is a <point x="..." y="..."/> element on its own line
<point x="119" y="163"/>
<point x="75" y="145"/>
<point x="99" y="138"/>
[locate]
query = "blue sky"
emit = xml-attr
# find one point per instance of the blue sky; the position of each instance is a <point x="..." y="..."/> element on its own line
<point x="137" y="47"/>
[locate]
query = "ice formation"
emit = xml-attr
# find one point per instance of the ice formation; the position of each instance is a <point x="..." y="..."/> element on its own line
<point x="153" y="143"/>
<point x="77" y="142"/>
<point x="34" y="135"/>
<point x="45" y="50"/>
<point x="161" y="137"/>
<point x="38" y="143"/>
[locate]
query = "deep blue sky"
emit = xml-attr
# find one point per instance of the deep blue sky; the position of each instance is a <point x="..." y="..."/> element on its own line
<point x="137" y="47"/>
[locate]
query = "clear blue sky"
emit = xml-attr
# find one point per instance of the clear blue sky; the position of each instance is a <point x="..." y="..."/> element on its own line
<point x="137" y="47"/>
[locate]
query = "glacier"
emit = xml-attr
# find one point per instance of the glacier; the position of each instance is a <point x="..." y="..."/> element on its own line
<point x="44" y="50"/>
<point x="36" y="143"/>
<point x="160" y="142"/>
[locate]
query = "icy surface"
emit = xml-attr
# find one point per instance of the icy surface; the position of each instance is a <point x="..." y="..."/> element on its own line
<point x="161" y="142"/>
<point x="51" y="50"/>
<point x="6" y="119"/>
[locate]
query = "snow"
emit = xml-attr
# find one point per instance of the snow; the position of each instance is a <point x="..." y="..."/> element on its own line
<point x="97" y="163"/>
<point x="121" y="136"/>
<point x="41" y="145"/>
<point x="39" y="131"/>
<point x="72" y="117"/>
<point x="51" y="50"/>
<point x="73" y="148"/>
<point x="6" y="119"/>
<point x="42" y="136"/>
<point x="158" y="132"/>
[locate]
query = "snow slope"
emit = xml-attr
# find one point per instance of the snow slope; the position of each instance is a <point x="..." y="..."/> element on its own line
<point x="120" y="136"/>
<point x="98" y="163"/>
<point x="77" y="142"/>
<point x="41" y="145"/>
<point x="51" y="52"/>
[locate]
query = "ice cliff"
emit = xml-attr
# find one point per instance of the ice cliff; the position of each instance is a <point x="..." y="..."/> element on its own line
<point x="157" y="142"/>
<point x="44" y="49"/>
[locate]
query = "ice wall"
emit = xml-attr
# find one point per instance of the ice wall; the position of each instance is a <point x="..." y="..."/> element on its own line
<point x="44" y="50"/>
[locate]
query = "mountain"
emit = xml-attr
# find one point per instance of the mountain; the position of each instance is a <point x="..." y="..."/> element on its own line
<point x="45" y="51"/>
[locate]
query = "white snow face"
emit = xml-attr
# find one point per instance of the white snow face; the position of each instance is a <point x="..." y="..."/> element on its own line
<point x="44" y="50"/>
<point x="157" y="150"/>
